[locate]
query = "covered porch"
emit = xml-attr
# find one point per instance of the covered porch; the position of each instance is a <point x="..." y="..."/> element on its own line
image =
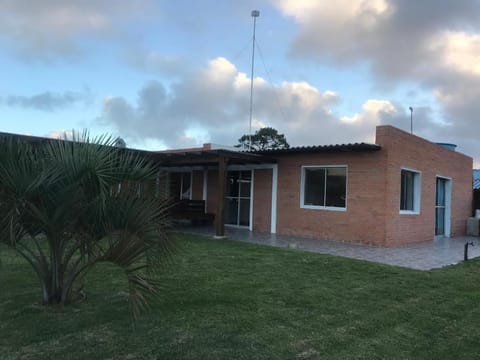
<point x="225" y="181"/>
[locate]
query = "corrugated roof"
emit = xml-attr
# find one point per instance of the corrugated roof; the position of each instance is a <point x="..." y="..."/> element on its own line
<point x="476" y="179"/>
<point x="355" y="147"/>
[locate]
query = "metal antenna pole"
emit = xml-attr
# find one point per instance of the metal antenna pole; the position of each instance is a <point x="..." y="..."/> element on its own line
<point x="255" y="14"/>
<point x="411" y="120"/>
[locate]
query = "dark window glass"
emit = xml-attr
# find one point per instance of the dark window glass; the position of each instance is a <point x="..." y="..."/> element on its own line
<point x="244" y="212"/>
<point x="325" y="187"/>
<point x="314" y="187"/>
<point x="232" y="183"/>
<point x="407" y="190"/>
<point x="245" y="182"/>
<point x="441" y="192"/>
<point x="336" y="187"/>
<point x="186" y="182"/>
<point x="231" y="211"/>
<point x="175" y="182"/>
<point x="439" y="221"/>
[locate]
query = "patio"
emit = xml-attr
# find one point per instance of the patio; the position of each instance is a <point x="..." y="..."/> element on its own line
<point x="420" y="256"/>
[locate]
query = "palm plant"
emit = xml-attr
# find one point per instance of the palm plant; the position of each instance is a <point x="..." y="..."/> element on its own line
<point x="66" y="206"/>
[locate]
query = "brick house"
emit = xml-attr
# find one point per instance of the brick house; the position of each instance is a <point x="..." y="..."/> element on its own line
<point x="402" y="189"/>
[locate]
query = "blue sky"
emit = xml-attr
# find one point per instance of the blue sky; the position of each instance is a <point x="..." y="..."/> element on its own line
<point x="176" y="73"/>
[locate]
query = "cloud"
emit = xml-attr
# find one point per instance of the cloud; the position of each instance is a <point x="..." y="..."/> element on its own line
<point x="372" y="112"/>
<point x="48" y="101"/>
<point x="459" y="50"/>
<point x="50" y="28"/>
<point x="433" y="45"/>
<point x="154" y="62"/>
<point x="396" y="37"/>
<point x="61" y="134"/>
<point x="212" y="104"/>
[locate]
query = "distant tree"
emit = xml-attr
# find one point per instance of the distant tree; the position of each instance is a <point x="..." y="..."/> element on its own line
<point x="266" y="138"/>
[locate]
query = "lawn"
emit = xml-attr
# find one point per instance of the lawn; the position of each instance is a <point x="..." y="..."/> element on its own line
<point x="231" y="300"/>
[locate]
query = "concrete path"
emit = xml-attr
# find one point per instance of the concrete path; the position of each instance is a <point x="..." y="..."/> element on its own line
<point x="421" y="256"/>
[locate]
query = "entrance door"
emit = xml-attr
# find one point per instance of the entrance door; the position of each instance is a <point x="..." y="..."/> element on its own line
<point x="237" y="199"/>
<point x="441" y="207"/>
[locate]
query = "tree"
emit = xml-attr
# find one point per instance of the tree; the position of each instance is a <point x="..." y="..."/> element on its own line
<point x="266" y="138"/>
<point x="62" y="211"/>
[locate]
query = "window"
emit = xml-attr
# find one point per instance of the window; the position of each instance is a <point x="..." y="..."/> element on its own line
<point x="410" y="191"/>
<point x="180" y="185"/>
<point x="324" y="187"/>
<point x="186" y="186"/>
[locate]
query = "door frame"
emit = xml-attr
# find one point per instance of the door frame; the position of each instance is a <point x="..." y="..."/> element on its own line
<point x="250" y="207"/>
<point x="448" y="205"/>
<point x="274" y="191"/>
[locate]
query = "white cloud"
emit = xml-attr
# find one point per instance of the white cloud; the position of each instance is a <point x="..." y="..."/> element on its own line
<point x="364" y="12"/>
<point x="459" y="50"/>
<point x="372" y="112"/>
<point x="212" y="104"/>
<point x="430" y="44"/>
<point x="61" y="134"/>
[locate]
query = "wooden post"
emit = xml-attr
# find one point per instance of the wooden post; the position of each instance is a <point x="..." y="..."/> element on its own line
<point x="222" y="180"/>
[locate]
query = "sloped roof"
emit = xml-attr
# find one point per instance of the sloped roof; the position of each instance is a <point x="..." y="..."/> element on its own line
<point x="355" y="147"/>
<point x="476" y="179"/>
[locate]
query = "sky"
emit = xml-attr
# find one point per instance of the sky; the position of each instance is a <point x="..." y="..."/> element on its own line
<point x="173" y="74"/>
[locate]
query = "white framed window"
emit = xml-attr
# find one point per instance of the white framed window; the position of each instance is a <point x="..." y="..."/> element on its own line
<point x="410" y="190"/>
<point x="324" y="187"/>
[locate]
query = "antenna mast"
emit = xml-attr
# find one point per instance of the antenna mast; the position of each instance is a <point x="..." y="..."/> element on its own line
<point x="255" y="14"/>
<point x="411" y="119"/>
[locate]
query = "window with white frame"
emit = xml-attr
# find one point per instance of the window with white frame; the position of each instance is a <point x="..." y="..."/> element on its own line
<point x="324" y="187"/>
<point x="409" y="191"/>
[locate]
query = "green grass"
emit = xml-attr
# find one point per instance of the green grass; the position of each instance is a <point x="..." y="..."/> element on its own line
<point x="231" y="300"/>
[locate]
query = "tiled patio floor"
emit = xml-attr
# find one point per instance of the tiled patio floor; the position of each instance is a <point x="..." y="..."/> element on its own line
<point x="421" y="256"/>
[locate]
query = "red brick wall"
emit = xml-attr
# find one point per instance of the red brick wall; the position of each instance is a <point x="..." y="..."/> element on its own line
<point x="405" y="150"/>
<point x="262" y="200"/>
<point x="363" y="221"/>
<point x="373" y="192"/>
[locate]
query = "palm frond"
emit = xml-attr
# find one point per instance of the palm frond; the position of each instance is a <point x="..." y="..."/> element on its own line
<point x="62" y="191"/>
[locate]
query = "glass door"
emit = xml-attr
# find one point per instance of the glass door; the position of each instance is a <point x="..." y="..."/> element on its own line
<point x="440" y="206"/>
<point x="237" y="199"/>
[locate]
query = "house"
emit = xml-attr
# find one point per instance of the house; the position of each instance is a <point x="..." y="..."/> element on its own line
<point x="400" y="190"/>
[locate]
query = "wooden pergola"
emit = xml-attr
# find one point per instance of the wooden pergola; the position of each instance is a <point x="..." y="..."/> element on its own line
<point x="218" y="158"/>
